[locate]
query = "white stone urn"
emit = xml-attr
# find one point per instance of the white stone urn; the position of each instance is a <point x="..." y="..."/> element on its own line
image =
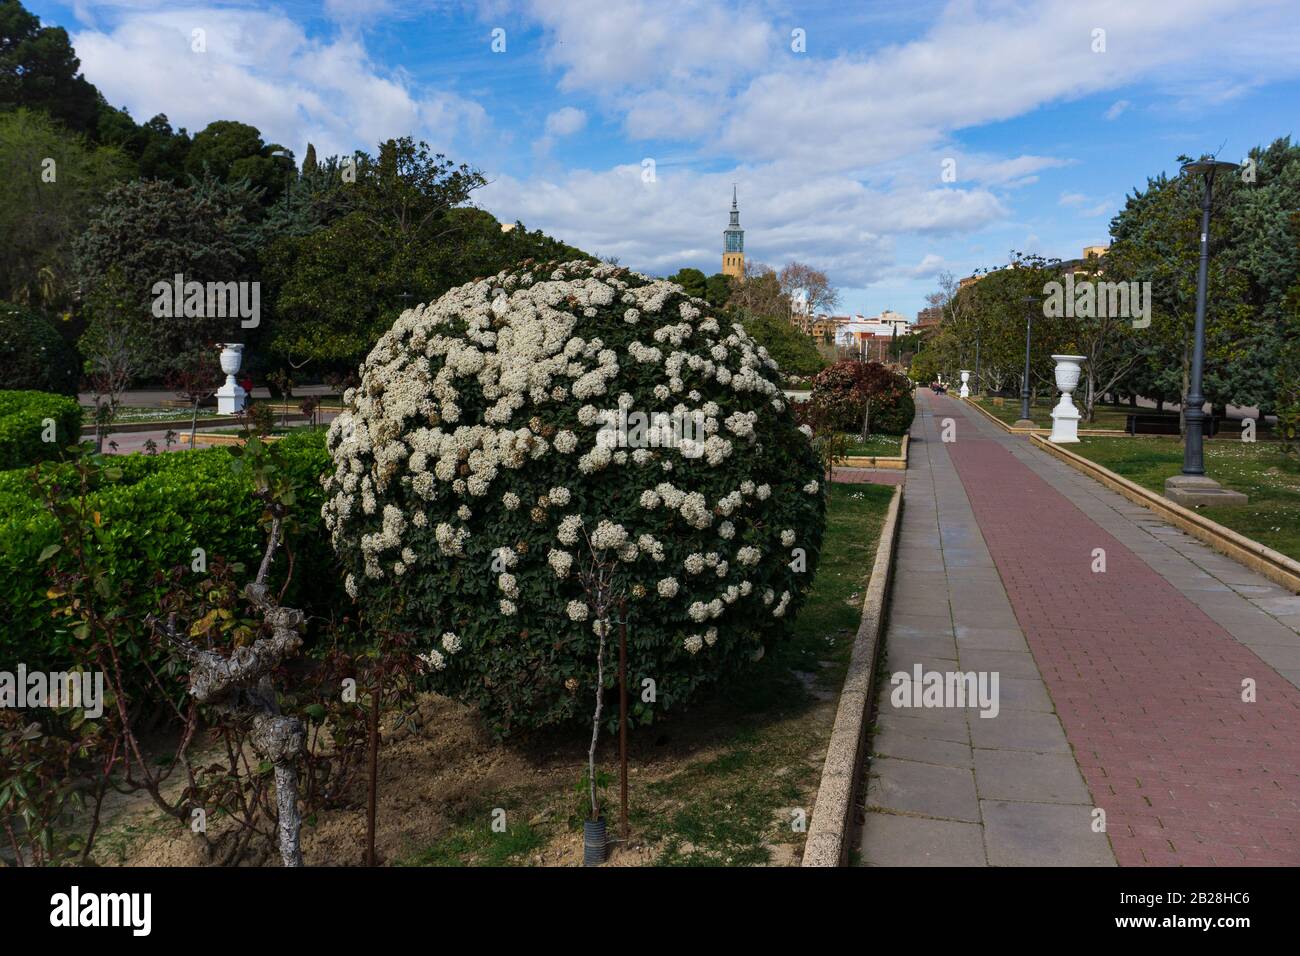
<point x="965" y="383"/>
<point x="1065" y="417"/>
<point x="231" y="396"/>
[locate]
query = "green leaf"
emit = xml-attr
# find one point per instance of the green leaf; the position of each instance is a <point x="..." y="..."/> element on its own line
<point x="49" y="551"/>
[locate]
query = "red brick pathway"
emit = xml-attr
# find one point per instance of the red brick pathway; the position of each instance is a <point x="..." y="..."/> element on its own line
<point x="1147" y="687"/>
<point x="868" y="476"/>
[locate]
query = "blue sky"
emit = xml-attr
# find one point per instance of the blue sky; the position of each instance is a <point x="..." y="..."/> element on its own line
<point x="838" y="149"/>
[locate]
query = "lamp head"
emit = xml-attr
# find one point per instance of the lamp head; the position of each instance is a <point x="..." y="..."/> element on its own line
<point x="1208" y="166"/>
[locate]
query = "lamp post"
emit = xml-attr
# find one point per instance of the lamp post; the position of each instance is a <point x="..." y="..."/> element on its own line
<point x="1030" y="301"/>
<point x="288" y="176"/>
<point x="1192" y="487"/>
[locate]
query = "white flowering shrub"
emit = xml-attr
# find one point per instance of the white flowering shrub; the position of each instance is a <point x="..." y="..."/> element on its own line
<point x="470" y="491"/>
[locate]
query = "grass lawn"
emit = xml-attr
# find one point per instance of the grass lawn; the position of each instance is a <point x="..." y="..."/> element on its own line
<point x="715" y="786"/>
<point x="277" y="430"/>
<point x="1040" y="413"/>
<point x="130" y="414"/>
<point x="1259" y="469"/>
<point x="890" y="445"/>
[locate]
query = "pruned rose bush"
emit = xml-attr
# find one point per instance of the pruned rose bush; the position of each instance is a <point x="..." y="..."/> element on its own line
<point x="470" y="495"/>
<point x="843" y="390"/>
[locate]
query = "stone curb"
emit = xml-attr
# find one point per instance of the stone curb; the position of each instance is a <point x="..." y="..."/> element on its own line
<point x="207" y="438"/>
<point x="125" y="428"/>
<point x="1275" y="566"/>
<point x="832" y="820"/>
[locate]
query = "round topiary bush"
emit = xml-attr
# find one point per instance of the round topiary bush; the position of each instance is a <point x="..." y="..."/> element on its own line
<point x="844" y="388"/>
<point x="471" y="496"/>
<point x="33" y="356"/>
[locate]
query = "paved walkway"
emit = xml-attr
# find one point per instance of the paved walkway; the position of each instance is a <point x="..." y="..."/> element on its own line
<point x="1119" y="691"/>
<point x="868" y="476"/>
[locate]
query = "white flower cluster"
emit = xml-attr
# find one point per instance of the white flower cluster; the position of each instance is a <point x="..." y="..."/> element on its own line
<point x="516" y="349"/>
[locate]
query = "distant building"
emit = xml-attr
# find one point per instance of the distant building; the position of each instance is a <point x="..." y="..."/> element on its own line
<point x="1091" y="260"/>
<point x="733" y="243"/>
<point x="929" y="318"/>
<point x="822" y="328"/>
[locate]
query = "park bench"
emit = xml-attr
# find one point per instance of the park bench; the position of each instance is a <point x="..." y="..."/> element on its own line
<point x="1166" y="425"/>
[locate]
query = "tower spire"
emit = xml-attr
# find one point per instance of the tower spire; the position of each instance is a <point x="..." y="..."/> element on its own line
<point x="733" y="241"/>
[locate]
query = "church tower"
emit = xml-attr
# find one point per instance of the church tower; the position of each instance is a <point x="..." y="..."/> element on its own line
<point x="733" y="243"/>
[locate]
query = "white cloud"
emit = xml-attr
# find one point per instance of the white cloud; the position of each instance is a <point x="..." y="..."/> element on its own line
<point x="261" y="68"/>
<point x="1116" y="108"/>
<point x="565" y="121"/>
<point x="561" y="123"/>
<point x="834" y="222"/>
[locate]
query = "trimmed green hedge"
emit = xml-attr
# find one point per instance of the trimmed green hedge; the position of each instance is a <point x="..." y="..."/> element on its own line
<point x="161" y="508"/>
<point x="24" y="426"/>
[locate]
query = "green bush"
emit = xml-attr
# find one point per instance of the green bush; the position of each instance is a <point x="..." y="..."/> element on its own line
<point x="842" y="390"/>
<point x="793" y="351"/>
<point x="33" y="355"/>
<point x="159" y="510"/>
<point x="469" y="476"/>
<point x="25" y="420"/>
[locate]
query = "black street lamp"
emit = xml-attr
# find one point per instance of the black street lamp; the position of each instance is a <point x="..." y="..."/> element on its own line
<point x="1031" y="302"/>
<point x="1192" y="487"/>
<point x="288" y="176"/>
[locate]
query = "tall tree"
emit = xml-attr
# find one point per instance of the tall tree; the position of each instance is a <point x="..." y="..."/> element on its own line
<point x="802" y="284"/>
<point x="147" y="231"/>
<point x="335" y="290"/>
<point x="49" y="179"/>
<point x="692" y="280"/>
<point x="760" y="293"/>
<point x="233" y="151"/>
<point x="39" y="70"/>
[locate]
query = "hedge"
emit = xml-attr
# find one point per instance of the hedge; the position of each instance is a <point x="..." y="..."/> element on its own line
<point x="161" y="508"/>
<point x="25" y="419"/>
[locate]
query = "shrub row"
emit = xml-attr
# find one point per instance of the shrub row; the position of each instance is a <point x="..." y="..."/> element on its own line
<point x="159" y="510"/>
<point x="26" y="436"/>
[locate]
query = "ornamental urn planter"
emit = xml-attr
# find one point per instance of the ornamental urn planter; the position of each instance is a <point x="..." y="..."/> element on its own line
<point x="965" y="384"/>
<point x="1065" y="416"/>
<point x="231" y="396"/>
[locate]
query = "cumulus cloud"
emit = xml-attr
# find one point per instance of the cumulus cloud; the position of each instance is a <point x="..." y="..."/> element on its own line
<point x="565" y="121"/>
<point x="261" y="67"/>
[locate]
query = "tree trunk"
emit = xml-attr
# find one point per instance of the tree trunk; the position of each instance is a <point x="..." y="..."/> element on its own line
<point x="194" y="423"/>
<point x="372" y="791"/>
<point x="595" y="723"/>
